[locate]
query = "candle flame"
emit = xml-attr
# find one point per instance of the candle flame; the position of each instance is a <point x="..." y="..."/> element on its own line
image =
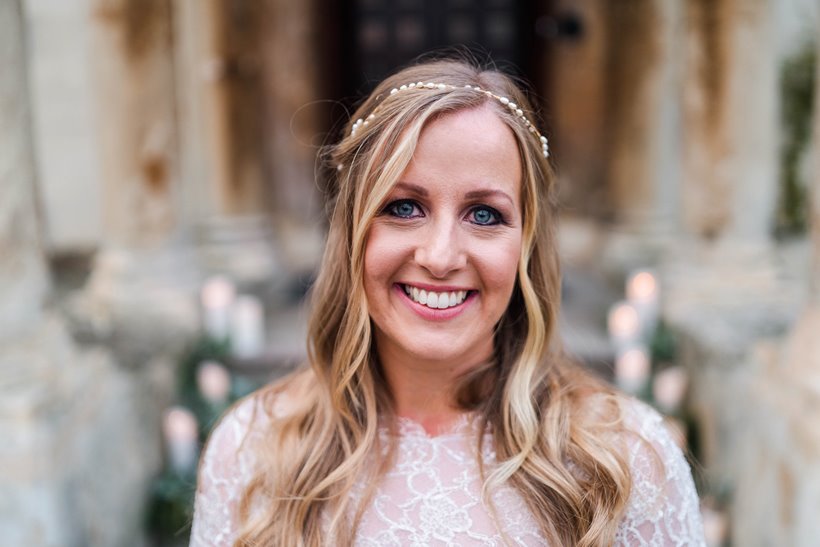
<point x="642" y="286"/>
<point x="624" y="321"/>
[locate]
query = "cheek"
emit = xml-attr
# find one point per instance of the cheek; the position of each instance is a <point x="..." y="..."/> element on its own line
<point x="382" y="257"/>
<point x="499" y="265"/>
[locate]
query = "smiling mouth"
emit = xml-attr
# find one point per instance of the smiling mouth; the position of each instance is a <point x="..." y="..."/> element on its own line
<point x="435" y="300"/>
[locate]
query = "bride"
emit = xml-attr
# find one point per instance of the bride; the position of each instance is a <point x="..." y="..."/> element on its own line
<point x="436" y="407"/>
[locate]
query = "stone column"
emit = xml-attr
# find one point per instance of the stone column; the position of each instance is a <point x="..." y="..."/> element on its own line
<point x="643" y="129"/>
<point x="804" y="341"/>
<point x="723" y="264"/>
<point x="131" y="55"/>
<point x="778" y="477"/>
<point x="27" y="479"/>
<point x="730" y="120"/>
<point x="23" y="272"/>
<point x="219" y="61"/>
<point x="753" y="356"/>
<point x="143" y="266"/>
<point x="291" y="105"/>
<point x="79" y="434"/>
<point x="234" y="102"/>
<point x="643" y="118"/>
<point x="62" y="100"/>
<point x="723" y="290"/>
<point x="220" y="51"/>
<point x="294" y="131"/>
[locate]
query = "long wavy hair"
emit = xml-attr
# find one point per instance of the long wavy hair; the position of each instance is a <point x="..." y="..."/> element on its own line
<point x="551" y="422"/>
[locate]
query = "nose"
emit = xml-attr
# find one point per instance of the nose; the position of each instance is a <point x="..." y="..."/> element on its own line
<point x="440" y="249"/>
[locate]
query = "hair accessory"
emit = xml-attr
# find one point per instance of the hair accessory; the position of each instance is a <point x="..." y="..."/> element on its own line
<point x="514" y="108"/>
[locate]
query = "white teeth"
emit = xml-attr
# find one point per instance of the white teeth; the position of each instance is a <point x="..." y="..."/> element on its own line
<point x="435" y="300"/>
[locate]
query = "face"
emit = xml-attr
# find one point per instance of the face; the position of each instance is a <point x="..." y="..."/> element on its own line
<point x="442" y="256"/>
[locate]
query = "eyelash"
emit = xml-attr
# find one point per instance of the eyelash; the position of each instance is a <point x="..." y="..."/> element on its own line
<point x="392" y="207"/>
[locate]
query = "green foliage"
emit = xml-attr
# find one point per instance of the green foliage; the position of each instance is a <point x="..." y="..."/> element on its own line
<point x="189" y="396"/>
<point x="170" y="511"/>
<point x="797" y="81"/>
<point x="168" y="516"/>
<point x="662" y="344"/>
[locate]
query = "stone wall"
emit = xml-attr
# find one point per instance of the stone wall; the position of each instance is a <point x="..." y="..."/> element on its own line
<point x="62" y="97"/>
<point x="739" y="300"/>
<point x="81" y="393"/>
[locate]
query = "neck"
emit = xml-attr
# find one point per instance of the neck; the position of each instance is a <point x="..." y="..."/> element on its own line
<point x="423" y="391"/>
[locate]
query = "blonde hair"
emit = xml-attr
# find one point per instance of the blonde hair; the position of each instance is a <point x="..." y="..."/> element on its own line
<point x="552" y="445"/>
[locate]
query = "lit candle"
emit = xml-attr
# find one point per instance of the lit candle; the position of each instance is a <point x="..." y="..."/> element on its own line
<point x="624" y="326"/>
<point x="217" y="298"/>
<point x="669" y="388"/>
<point x="632" y="369"/>
<point x="643" y="292"/>
<point x="715" y="526"/>
<point x="247" y="327"/>
<point x="181" y="432"/>
<point x="214" y="382"/>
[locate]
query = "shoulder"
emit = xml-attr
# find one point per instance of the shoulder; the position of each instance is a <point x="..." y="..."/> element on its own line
<point x="663" y="506"/>
<point x="235" y="435"/>
<point x="650" y="442"/>
<point x="238" y="434"/>
<point x="225" y="470"/>
<point x="231" y="460"/>
<point x="636" y="430"/>
<point x="229" y="457"/>
<point x="643" y="422"/>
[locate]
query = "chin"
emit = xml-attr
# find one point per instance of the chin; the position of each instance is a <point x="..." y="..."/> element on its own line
<point x="437" y="347"/>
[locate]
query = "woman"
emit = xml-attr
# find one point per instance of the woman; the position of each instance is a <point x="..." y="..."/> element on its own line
<point x="436" y="407"/>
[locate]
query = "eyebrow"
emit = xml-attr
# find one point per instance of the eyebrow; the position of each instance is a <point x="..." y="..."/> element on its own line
<point x="473" y="194"/>
<point x="478" y="194"/>
<point x="415" y="188"/>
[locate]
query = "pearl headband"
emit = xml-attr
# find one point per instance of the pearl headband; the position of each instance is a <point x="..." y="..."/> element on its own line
<point x="514" y="108"/>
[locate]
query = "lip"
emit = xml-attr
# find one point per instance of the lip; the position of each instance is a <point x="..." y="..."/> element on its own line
<point x="429" y="313"/>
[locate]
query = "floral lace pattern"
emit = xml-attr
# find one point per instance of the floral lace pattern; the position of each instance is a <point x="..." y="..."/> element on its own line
<point x="432" y="495"/>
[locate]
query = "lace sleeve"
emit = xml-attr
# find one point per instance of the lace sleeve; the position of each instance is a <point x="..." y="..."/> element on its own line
<point x="663" y="506"/>
<point x="226" y="468"/>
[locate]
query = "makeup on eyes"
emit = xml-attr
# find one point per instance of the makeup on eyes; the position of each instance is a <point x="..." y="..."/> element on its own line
<point x="403" y="208"/>
<point x="480" y="214"/>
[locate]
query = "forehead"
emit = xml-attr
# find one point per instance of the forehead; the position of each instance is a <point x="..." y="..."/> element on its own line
<point x="467" y="149"/>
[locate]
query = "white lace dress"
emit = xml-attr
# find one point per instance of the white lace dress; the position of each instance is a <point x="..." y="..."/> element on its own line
<point x="432" y="496"/>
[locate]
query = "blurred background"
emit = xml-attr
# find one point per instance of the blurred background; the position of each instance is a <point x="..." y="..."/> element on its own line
<point x="162" y="217"/>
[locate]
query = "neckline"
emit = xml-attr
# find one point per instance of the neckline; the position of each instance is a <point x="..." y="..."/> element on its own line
<point x="407" y="427"/>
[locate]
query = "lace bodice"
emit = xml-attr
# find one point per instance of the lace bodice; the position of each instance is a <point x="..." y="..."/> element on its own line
<point x="432" y="495"/>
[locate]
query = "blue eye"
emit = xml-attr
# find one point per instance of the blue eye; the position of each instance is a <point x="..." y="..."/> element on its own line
<point x="403" y="208"/>
<point x="485" y="216"/>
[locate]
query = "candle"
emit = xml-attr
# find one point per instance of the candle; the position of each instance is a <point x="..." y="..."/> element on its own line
<point x="642" y="291"/>
<point x="669" y="388"/>
<point x="181" y="432"/>
<point x="715" y="526"/>
<point x="624" y="326"/>
<point x="214" y="382"/>
<point x="217" y="298"/>
<point x="632" y="369"/>
<point x="247" y="327"/>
